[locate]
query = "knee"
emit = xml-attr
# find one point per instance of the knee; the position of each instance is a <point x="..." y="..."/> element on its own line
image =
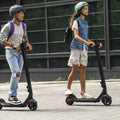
<point x="18" y="74"/>
<point x="75" y="71"/>
<point x="83" y="69"/>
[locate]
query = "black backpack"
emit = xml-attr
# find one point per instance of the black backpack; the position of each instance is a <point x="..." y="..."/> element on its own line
<point x="68" y="37"/>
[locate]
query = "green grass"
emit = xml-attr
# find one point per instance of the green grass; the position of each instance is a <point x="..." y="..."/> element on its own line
<point x="32" y="80"/>
<point x="114" y="77"/>
<point x="60" y="79"/>
<point x="77" y="79"/>
<point x="7" y="82"/>
<point x="91" y="78"/>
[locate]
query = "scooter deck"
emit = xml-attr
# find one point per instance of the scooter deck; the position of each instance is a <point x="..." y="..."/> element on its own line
<point x="86" y="100"/>
<point x="75" y="99"/>
<point x="6" y="104"/>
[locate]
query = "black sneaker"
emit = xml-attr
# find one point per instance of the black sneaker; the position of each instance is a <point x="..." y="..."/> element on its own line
<point x="14" y="100"/>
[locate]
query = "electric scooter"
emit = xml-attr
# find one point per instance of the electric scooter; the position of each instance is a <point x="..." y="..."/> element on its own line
<point x="30" y="102"/>
<point x="106" y="99"/>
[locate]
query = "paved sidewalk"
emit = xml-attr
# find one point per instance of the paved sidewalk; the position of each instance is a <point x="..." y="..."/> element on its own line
<point x="52" y="106"/>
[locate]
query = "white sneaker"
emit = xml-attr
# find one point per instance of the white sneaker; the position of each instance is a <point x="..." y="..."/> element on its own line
<point x="85" y="95"/>
<point x="68" y="92"/>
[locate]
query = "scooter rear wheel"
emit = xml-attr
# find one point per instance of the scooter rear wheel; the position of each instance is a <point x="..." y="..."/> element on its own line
<point x="32" y="104"/>
<point x="107" y="100"/>
<point x="69" y="99"/>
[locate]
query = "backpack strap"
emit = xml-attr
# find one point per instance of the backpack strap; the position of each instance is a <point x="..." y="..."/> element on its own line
<point x="78" y="23"/>
<point x="11" y="29"/>
<point x="23" y="25"/>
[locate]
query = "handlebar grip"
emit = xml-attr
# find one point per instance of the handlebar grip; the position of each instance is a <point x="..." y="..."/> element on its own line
<point x="90" y="44"/>
<point x="96" y="44"/>
<point x="13" y="48"/>
<point x="27" y="48"/>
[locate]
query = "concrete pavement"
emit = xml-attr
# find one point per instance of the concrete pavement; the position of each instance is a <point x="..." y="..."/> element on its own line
<point x="52" y="106"/>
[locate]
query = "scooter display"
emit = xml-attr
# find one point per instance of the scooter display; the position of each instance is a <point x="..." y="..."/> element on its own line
<point x="104" y="97"/>
<point x="29" y="101"/>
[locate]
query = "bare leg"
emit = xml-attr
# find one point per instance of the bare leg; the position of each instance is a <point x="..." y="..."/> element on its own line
<point x="82" y="78"/>
<point x="72" y="75"/>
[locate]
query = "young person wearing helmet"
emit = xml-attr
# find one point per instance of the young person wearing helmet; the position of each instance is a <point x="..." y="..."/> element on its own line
<point x="12" y="49"/>
<point x="79" y="47"/>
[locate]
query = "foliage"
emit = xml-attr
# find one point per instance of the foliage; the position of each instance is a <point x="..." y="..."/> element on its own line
<point x="60" y="79"/>
<point x="91" y="78"/>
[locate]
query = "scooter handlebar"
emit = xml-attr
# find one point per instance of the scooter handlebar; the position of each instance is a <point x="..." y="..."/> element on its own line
<point x="22" y="46"/>
<point x="96" y="44"/>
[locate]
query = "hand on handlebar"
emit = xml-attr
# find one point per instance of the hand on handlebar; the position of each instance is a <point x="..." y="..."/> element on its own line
<point x="92" y="44"/>
<point x="29" y="47"/>
<point x="100" y="45"/>
<point x="16" y="47"/>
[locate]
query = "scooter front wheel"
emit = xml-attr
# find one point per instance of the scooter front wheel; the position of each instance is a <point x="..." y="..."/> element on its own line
<point x="107" y="100"/>
<point x="32" y="104"/>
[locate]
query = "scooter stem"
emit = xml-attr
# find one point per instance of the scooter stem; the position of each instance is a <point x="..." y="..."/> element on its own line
<point x="103" y="84"/>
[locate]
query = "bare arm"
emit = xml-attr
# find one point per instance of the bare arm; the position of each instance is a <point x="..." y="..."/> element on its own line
<point x="77" y="37"/>
<point x="7" y="43"/>
<point x="28" y="44"/>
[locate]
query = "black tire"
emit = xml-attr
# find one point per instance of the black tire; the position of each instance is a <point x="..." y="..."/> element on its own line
<point x="69" y="99"/>
<point x="0" y="106"/>
<point x="32" y="104"/>
<point x="2" y="101"/>
<point x="107" y="100"/>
